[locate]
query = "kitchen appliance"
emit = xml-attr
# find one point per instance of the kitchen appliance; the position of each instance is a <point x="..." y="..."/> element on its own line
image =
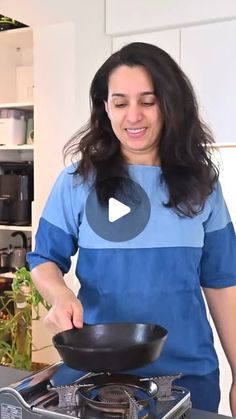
<point x="12" y="127"/>
<point x="14" y="257"/>
<point x="4" y="260"/>
<point x="110" y="346"/>
<point x="16" y="192"/>
<point x="18" y="254"/>
<point x="5" y="285"/>
<point x="94" y="396"/>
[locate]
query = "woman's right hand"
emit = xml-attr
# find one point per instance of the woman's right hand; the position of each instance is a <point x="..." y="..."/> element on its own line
<point x="66" y="312"/>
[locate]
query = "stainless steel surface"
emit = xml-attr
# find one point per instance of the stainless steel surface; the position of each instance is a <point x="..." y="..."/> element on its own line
<point x="31" y="396"/>
<point x="34" y="397"/>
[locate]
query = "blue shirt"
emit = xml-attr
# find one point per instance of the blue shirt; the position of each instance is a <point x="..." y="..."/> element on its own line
<point x="154" y="278"/>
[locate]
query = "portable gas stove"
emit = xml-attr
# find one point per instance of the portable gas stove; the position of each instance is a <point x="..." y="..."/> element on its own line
<point x="95" y="396"/>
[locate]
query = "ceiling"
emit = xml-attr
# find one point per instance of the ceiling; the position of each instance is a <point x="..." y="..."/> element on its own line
<point x="41" y="12"/>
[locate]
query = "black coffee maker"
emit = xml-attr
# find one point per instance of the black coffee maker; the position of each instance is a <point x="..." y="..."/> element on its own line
<point x="16" y="193"/>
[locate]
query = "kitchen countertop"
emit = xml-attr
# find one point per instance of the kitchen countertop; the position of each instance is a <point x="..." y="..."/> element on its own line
<point x="200" y="414"/>
<point x="11" y="375"/>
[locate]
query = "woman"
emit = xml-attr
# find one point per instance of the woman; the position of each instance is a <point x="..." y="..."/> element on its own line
<point x="144" y="127"/>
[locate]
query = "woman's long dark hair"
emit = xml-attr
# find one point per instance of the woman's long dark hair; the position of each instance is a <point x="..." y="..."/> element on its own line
<point x="184" y="148"/>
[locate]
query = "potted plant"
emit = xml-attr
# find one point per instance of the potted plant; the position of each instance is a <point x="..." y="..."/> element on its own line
<point x="19" y="307"/>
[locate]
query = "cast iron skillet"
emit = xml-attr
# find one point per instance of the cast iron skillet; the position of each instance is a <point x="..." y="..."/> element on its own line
<point x="110" y="347"/>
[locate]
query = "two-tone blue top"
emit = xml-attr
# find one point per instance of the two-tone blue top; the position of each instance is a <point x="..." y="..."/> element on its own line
<point x="154" y="278"/>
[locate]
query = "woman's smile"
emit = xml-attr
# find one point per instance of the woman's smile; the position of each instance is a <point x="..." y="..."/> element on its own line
<point x="135" y="132"/>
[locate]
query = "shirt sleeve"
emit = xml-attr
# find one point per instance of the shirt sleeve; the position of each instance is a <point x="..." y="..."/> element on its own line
<point x="57" y="235"/>
<point x="218" y="262"/>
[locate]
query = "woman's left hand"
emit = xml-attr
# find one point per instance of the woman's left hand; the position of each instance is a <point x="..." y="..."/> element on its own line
<point x="232" y="399"/>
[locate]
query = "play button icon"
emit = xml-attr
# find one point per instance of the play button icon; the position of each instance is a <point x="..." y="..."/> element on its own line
<point x="123" y="217"/>
<point x="116" y="210"/>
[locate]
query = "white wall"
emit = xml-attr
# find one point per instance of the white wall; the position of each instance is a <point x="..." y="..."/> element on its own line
<point x="66" y="56"/>
<point x="54" y="97"/>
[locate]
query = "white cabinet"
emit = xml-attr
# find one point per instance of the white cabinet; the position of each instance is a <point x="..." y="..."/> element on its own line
<point x="206" y="54"/>
<point x="167" y="40"/>
<point x="208" y="57"/>
<point x="133" y="16"/>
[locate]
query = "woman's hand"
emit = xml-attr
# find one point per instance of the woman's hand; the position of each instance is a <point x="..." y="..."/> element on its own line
<point x="232" y="399"/>
<point x="66" y="312"/>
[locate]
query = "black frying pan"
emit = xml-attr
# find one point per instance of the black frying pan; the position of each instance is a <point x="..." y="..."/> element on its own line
<point x="110" y="347"/>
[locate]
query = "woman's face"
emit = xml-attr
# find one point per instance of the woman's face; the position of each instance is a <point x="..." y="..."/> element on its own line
<point x="134" y="113"/>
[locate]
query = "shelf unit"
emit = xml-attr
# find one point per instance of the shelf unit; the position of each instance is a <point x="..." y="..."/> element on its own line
<point x="224" y="145"/>
<point x="25" y="106"/>
<point x="16" y="49"/>
<point x="23" y="147"/>
<point x="7" y="275"/>
<point x="6" y="227"/>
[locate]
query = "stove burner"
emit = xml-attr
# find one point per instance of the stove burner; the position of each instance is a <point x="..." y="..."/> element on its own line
<point x="114" y="394"/>
<point x="98" y="388"/>
<point x="122" y="395"/>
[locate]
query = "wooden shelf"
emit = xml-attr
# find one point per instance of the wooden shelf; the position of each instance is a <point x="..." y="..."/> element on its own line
<point x="26" y="106"/>
<point x="15" y="228"/>
<point x="224" y="145"/>
<point x="17" y="147"/>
